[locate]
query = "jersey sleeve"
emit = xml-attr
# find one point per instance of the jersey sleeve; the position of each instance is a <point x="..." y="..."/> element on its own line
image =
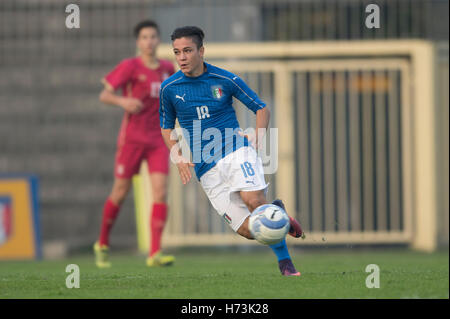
<point x="247" y="96"/>
<point x="167" y="113"/>
<point x="120" y="75"/>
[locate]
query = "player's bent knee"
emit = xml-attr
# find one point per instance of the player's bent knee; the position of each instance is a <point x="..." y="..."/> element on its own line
<point x="244" y="231"/>
<point x="253" y="199"/>
<point x="245" y="234"/>
<point x="255" y="203"/>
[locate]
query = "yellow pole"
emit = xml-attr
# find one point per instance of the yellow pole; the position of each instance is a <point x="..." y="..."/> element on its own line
<point x="285" y="176"/>
<point x="425" y="235"/>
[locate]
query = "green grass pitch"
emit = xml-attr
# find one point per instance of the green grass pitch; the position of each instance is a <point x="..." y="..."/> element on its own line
<point x="235" y="274"/>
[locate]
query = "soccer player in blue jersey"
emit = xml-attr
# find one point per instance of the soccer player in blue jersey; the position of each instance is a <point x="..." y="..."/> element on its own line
<point x="226" y="164"/>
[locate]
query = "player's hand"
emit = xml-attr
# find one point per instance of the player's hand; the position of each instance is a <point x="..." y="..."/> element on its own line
<point x="183" y="165"/>
<point x="132" y="105"/>
<point x="185" y="171"/>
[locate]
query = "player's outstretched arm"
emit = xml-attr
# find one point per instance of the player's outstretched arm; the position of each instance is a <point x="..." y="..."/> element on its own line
<point x="183" y="164"/>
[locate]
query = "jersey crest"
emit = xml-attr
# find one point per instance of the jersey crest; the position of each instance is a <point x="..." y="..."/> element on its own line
<point x="217" y="91"/>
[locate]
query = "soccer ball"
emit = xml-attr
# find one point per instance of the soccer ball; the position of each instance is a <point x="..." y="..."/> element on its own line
<point x="269" y="224"/>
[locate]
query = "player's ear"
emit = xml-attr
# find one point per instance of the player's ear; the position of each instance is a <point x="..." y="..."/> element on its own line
<point x="202" y="51"/>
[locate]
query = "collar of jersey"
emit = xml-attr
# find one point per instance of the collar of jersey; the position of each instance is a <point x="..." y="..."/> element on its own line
<point x="208" y="68"/>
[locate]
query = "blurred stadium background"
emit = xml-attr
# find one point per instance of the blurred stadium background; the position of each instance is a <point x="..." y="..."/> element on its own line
<point x="362" y="113"/>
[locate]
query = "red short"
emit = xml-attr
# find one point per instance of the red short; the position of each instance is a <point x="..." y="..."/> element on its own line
<point x="130" y="156"/>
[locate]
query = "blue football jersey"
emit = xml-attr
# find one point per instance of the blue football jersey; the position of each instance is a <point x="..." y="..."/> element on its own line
<point x="204" y="108"/>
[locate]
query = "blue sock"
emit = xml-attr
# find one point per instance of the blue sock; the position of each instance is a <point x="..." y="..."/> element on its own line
<point x="281" y="250"/>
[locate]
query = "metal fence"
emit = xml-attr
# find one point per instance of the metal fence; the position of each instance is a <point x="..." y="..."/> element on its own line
<point x="349" y="145"/>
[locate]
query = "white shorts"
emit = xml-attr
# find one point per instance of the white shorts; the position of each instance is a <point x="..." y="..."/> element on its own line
<point x="241" y="170"/>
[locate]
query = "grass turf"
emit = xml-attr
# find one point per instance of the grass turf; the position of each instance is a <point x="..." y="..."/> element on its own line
<point x="241" y="274"/>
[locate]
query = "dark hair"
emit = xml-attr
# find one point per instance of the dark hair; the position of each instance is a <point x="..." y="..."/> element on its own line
<point x="195" y="33"/>
<point x="145" y="24"/>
